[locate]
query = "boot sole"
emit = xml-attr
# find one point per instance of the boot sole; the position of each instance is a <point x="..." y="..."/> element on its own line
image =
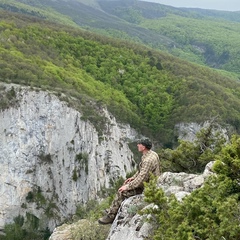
<point x="104" y="223"/>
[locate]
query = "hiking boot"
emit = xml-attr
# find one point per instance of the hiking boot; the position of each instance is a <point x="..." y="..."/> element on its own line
<point x="106" y="220"/>
<point x="105" y="211"/>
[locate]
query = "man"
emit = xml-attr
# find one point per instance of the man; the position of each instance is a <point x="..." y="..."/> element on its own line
<point x="149" y="165"/>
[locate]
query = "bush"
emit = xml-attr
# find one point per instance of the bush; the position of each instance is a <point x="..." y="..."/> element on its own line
<point x="211" y="212"/>
<point x="192" y="157"/>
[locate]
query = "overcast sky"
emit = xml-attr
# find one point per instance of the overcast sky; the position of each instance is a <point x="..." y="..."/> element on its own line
<point x="227" y="5"/>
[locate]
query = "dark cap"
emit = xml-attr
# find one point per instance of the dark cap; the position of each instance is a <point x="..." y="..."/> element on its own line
<point x="146" y="142"/>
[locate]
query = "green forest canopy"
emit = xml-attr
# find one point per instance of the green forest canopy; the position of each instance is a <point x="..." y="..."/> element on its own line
<point x="146" y="88"/>
<point x="205" y="37"/>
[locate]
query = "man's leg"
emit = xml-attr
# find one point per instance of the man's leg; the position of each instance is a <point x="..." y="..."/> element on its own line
<point x="116" y="203"/>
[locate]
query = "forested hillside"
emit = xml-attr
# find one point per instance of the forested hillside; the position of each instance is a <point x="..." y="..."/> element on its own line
<point x="149" y="89"/>
<point x="206" y="37"/>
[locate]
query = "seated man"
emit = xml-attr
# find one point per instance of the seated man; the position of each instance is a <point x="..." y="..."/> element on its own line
<point x="149" y="165"/>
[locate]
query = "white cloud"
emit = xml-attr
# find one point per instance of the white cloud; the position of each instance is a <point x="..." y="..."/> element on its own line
<point x="227" y="5"/>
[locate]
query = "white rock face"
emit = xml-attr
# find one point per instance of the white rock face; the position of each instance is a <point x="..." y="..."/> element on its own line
<point x="182" y="184"/>
<point x="188" y="131"/>
<point x="39" y="142"/>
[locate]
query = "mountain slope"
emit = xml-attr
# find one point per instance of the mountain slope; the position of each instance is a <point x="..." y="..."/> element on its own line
<point x="206" y="37"/>
<point x="150" y="90"/>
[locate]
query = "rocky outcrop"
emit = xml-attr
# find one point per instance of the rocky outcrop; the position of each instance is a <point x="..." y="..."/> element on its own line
<point x="128" y="224"/>
<point x="188" y="131"/>
<point x="51" y="160"/>
<point x="132" y="226"/>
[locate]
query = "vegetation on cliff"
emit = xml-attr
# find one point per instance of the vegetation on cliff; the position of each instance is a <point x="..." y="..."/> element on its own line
<point x="205" y="37"/>
<point x="146" y="88"/>
<point x="210" y="212"/>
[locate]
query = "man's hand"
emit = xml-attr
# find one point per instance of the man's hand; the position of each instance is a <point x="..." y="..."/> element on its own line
<point x="128" y="180"/>
<point x="122" y="188"/>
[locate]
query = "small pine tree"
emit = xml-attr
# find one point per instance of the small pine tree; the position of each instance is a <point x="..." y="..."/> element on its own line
<point x="192" y="157"/>
<point x="211" y="212"/>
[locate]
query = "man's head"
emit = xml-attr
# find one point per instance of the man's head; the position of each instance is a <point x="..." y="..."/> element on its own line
<point x="146" y="143"/>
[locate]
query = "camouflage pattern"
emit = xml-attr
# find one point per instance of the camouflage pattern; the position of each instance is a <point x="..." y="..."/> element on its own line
<point x="119" y="198"/>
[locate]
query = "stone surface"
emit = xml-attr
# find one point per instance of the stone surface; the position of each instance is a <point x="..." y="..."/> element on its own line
<point x="40" y="139"/>
<point x="133" y="227"/>
<point x="129" y="224"/>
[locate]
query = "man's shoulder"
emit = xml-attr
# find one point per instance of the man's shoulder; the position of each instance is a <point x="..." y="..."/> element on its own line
<point x="152" y="154"/>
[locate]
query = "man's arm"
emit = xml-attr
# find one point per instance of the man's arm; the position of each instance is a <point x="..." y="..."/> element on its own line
<point x="128" y="180"/>
<point x="122" y="188"/>
<point x="143" y="175"/>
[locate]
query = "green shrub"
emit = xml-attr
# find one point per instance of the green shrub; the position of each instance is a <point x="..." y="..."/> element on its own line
<point x="192" y="157"/>
<point x="24" y="229"/>
<point x="86" y="230"/>
<point x="74" y="175"/>
<point x="211" y="212"/>
<point x="82" y="159"/>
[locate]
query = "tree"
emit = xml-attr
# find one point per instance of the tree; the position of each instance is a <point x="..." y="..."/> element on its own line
<point x="192" y="157"/>
<point x="210" y="212"/>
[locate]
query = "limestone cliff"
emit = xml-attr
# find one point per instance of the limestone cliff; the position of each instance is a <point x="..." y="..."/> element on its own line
<point x="51" y="160"/>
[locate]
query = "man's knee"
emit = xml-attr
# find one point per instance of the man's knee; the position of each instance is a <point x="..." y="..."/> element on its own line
<point x="131" y="193"/>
